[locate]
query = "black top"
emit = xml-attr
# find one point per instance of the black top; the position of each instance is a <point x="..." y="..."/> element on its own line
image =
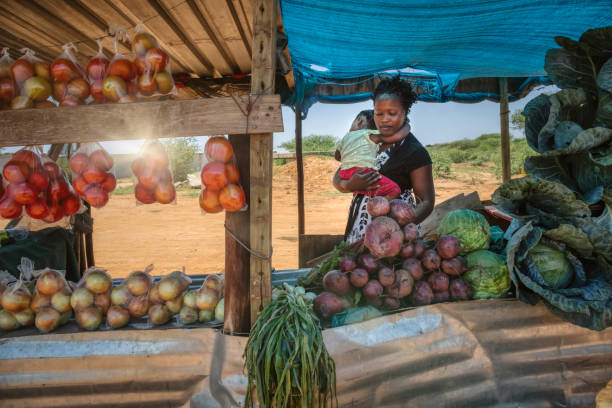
<point x="405" y="157"/>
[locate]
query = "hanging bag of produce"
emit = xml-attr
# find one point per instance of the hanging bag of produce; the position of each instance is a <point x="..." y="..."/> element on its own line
<point x="15" y="301"/>
<point x="96" y="72"/>
<point x="92" y="176"/>
<point x="167" y="297"/>
<point x="153" y="178"/>
<point x="51" y="299"/>
<point x="31" y="77"/>
<point x="221" y="189"/>
<point x="92" y="298"/>
<point x="62" y="200"/>
<point x="119" y="83"/>
<point x="8" y="89"/>
<point x="152" y="66"/>
<point x="70" y="87"/>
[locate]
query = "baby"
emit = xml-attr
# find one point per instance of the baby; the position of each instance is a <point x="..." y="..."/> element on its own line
<point x="358" y="150"/>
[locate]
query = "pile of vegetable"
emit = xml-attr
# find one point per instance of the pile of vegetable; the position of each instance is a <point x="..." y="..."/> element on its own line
<point x="396" y="268"/>
<point x="560" y="243"/>
<point x="286" y="359"/>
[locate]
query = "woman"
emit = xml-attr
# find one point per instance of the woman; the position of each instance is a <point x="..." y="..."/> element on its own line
<point x="406" y="162"/>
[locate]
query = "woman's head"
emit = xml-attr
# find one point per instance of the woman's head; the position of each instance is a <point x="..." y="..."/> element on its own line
<point x="393" y="99"/>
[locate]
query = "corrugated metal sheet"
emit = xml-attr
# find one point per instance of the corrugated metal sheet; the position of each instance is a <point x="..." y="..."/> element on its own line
<point x="479" y="353"/>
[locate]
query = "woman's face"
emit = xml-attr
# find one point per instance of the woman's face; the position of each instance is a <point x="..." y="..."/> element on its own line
<point x="389" y="115"/>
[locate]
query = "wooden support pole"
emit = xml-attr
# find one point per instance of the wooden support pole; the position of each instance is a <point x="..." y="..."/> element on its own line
<point x="262" y="83"/>
<point x="299" y="158"/>
<point x="237" y="258"/>
<point x="504" y="121"/>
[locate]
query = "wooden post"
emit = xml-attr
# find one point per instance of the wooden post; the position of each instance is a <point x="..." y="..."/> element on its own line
<point x="262" y="83"/>
<point x="505" y="128"/>
<point x="237" y="258"/>
<point x="299" y="158"/>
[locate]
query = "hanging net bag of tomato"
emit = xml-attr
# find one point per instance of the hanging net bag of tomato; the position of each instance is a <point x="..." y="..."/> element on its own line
<point x="221" y="189"/>
<point x="92" y="176"/>
<point x="153" y="179"/>
<point x="31" y="82"/>
<point x="8" y="89"/>
<point x="119" y="84"/>
<point x="96" y="72"/>
<point x="70" y="87"/>
<point x="152" y="66"/>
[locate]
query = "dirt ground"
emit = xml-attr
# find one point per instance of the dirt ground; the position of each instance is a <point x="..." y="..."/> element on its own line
<point x="128" y="237"/>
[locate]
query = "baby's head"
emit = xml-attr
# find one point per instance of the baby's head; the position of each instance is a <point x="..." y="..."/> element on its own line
<point x="364" y="120"/>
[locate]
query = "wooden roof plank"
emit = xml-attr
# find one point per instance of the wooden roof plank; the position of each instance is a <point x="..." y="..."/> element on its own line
<point x="246" y="40"/>
<point x="219" y="43"/>
<point x="171" y="118"/>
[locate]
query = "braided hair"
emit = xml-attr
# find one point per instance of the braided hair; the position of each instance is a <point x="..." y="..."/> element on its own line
<point x="395" y="86"/>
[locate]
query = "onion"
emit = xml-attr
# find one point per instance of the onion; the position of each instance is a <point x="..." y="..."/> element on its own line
<point x="81" y="298"/>
<point x="103" y="301"/>
<point x="60" y="301"/>
<point x="121" y="295"/>
<point x="98" y="282"/>
<point x="8" y="322"/>
<point x="15" y="300"/>
<point x="39" y="300"/>
<point x="207" y="299"/>
<point x="49" y="282"/>
<point x="182" y="278"/>
<point x="154" y="295"/>
<point x="220" y="310"/>
<point x="25" y="317"/>
<point x="117" y="317"/>
<point x="190" y="299"/>
<point x="138" y="283"/>
<point x="158" y="314"/>
<point x="169" y="288"/>
<point x="188" y="315"/>
<point x="206" y="316"/>
<point x="138" y="306"/>
<point x="47" y="319"/>
<point x="175" y="305"/>
<point x="89" y="318"/>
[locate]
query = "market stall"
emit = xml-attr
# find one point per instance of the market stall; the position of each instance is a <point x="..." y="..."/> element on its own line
<point x="465" y="353"/>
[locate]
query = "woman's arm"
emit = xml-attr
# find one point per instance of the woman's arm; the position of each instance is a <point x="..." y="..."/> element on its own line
<point x="359" y="182"/>
<point x="424" y="191"/>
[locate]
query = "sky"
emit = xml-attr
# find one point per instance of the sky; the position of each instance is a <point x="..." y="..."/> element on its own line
<point x="431" y="123"/>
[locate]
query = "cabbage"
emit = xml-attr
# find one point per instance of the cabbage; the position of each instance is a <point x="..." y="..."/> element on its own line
<point x="471" y="229"/>
<point x="488" y="274"/>
<point x="552" y="265"/>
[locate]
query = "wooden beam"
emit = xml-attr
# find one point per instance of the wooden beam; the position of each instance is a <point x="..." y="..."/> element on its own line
<point x="237" y="259"/>
<point x="262" y="83"/>
<point x="243" y="35"/>
<point x="504" y="113"/>
<point x="300" y="171"/>
<point x="141" y="120"/>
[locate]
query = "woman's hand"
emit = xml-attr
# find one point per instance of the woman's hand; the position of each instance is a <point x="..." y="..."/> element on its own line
<point x="362" y="180"/>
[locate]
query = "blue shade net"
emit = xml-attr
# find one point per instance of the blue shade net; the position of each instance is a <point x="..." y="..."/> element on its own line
<point x="443" y="42"/>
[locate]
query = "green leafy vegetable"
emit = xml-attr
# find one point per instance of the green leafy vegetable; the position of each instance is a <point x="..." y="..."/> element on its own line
<point x="471" y="229"/>
<point x="488" y="274"/>
<point x="552" y="266"/>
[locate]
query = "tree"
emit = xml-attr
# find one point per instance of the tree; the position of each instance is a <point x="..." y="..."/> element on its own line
<point x="312" y="143"/>
<point x="517" y="120"/>
<point x="181" y="152"/>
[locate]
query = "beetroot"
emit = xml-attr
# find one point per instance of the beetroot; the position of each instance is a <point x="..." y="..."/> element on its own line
<point x="460" y="289"/>
<point x="448" y="246"/>
<point x="407" y="251"/>
<point x="431" y="260"/>
<point x="386" y="276"/>
<point x="373" y="289"/>
<point x="374" y="301"/>
<point x="358" y="277"/>
<point x="419" y="248"/>
<point x="411" y="232"/>
<point x="414" y="267"/>
<point x="439" y="281"/>
<point x="328" y="304"/>
<point x="401" y="211"/>
<point x="347" y="264"/>
<point x="441" y="296"/>
<point x="403" y="284"/>
<point x="422" y="293"/>
<point x="455" y="266"/>
<point x="392" y="303"/>
<point x="336" y="282"/>
<point x="383" y="237"/>
<point x="369" y="262"/>
<point x="377" y="206"/>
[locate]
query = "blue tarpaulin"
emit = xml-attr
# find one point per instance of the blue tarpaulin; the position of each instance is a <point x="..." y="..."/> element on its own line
<point x="451" y="39"/>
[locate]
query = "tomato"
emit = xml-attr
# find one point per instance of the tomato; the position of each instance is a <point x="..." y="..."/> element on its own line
<point x="59" y="90"/>
<point x="96" y="90"/>
<point x="232" y="173"/>
<point x="38" y="209"/>
<point x="9" y="208"/>
<point x="123" y="68"/>
<point x="93" y="174"/>
<point x="146" y="84"/>
<point x="37" y="88"/>
<point x="218" y="149"/>
<point x="114" y="88"/>
<point x="56" y="212"/>
<point x="214" y="176"/>
<point x="23" y="193"/>
<point x="71" y="205"/>
<point x="70" y="100"/>
<point x="22" y="70"/>
<point x="141" y="65"/>
<point x="78" y="88"/>
<point x="42" y="70"/>
<point x="97" y="67"/>
<point x="80" y="185"/>
<point x="101" y="159"/>
<point x="143" y="42"/>
<point x="143" y="195"/>
<point x="156" y="59"/>
<point x="137" y="166"/>
<point x="232" y="198"/>
<point x="58" y="190"/>
<point x="8" y="90"/>
<point x="148" y="178"/>
<point x="16" y="172"/>
<point x="155" y="155"/>
<point x="209" y="201"/>
<point x="28" y="157"/>
<point x="52" y="169"/>
<point x="164" y="82"/>
<point x="39" y="179"/>
<point x="63" y="70"/>
<point x="165" y="193"/>
<point x="109" y="183"/>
